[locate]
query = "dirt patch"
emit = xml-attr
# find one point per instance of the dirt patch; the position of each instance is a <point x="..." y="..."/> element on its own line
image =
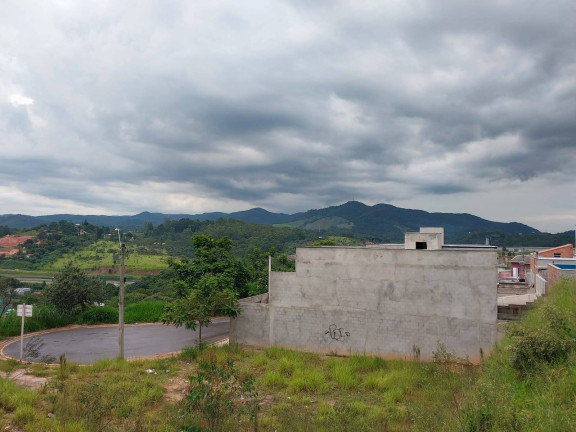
<point x="23" y="378"/>
<point x="176" y="389"/>
<point x="10" y="241"/>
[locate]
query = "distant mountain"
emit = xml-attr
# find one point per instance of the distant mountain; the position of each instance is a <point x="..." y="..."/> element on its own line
<point x="388" y="221"/>
<point x="255" y="215"/>
<point x="383" y="221"/>
<point x="19" y="221"/>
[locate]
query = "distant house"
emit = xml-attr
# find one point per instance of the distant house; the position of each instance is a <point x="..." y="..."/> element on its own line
<point x="22" y="291"/>
<point x="546" y="266"/>
<point x="519" y="265"/>
<point x="540" y="260"/>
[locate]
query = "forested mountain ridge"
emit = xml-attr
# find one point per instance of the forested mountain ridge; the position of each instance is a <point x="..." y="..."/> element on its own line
<point x="390" y="222"/>
<point x="380" y="219"/>
<point x="135" y="222"/>
<point x="378" y="223"/>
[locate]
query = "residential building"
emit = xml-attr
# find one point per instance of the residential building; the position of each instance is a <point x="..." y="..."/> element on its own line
<point x="386" y="300"/>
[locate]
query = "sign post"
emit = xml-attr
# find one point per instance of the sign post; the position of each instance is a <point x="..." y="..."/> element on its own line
<point x="23" y="310"/>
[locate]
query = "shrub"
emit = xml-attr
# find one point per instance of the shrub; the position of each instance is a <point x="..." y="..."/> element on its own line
<point x="44" y="317"/>
<point x="99" y="315"/>
<point x="218" y="390"/>
<point x="144" y="312"/>
<point x="532" y="346"/>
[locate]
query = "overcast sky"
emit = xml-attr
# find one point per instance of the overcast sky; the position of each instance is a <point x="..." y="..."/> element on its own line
<point x="117" y="107"/>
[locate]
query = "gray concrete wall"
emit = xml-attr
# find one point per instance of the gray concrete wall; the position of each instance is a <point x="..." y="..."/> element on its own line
<point x="252" y="325"/>
<point x="380" y="301"/>
<point x="540" y="285"/>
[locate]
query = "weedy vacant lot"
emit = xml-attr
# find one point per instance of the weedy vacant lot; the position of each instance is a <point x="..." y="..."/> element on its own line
<point x="528" y="384"/>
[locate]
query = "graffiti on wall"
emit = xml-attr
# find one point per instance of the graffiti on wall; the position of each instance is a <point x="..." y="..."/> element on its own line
<point x="337" y="333"/>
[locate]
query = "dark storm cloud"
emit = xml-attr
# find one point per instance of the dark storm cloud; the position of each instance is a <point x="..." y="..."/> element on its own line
<point x="283" y="104"/>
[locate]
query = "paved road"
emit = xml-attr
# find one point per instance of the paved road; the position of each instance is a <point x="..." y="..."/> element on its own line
<point x="86" y="345"/>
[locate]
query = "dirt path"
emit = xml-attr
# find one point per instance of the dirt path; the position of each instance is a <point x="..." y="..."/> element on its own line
<point x="23" y="378"/>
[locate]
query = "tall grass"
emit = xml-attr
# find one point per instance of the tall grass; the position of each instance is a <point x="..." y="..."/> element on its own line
<point x="44" y="317"/>
<point x="144" y="312"/>
<point x="527" y="384"/>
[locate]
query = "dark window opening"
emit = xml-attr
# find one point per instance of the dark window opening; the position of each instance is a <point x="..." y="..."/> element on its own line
<point x="421" y="245"/>
<point x="556" y="255"/>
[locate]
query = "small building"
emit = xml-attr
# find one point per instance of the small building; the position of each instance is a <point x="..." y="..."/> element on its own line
<point x="519" y="266"/>
<point x="557" y="255"/>
<point x="22" y="291"/>
<point x="385" y="300"/>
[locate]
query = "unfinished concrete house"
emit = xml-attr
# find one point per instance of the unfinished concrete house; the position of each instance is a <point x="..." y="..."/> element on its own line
<point x="384" y="300"/>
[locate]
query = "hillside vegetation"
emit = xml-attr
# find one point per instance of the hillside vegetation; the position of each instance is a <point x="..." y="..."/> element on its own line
<point x="378" y="223"/>
<point x="93" y="248"/>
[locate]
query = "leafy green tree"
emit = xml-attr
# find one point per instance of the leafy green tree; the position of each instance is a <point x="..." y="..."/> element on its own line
<point x="217" y="392"/>
<point x="213" y="257"/>
<point x="7" y="294"/>
<point x="73" y="289"/>
<point x="207" y="285"/>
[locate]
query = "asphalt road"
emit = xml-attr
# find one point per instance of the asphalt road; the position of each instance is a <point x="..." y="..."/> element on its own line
<point x="87" y="345"/>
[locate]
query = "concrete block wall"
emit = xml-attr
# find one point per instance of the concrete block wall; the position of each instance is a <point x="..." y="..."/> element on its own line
<point x="379" y="301"/>
<point x="252" y="327"/>
<point x="333" y="330"/>
<point x="540" y="285"/>
<point x="555" y="275"/>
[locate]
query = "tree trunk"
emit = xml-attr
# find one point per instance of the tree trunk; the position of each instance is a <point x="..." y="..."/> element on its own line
<point x="199" y="334"/>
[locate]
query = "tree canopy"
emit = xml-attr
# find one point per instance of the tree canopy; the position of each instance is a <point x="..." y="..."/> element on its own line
<point x="73" y="289"/>
<point x="207" y="285"/>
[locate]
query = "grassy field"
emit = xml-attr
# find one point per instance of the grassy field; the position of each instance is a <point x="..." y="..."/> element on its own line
<point x="103" y="254"/>
<point x="16" y="273"/>
<point x="527" y="384"/>
<point x="296" y="392"/>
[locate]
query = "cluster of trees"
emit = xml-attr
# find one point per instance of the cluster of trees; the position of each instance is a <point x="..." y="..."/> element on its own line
<point x="71" y="292"/>
<point x="195" y="289"/>
<point x="5" y="230"/>
<point x="52" y="242"/>
<point x="245" y="236"/>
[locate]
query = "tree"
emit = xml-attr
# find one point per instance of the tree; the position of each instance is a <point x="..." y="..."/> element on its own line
<point x="7" y="294"/>
<point x="73" y="289"/>
<point x="219" y="390"/>
<point x="207" y="285"/>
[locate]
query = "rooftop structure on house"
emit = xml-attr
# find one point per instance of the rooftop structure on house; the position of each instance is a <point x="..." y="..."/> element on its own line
<point x="547" y="266"/>
<point x="385" y="300"/>
<point x="557" y="255"/>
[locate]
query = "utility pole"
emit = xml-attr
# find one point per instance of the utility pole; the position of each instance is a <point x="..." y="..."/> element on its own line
<point x="121" y="304"/>
<point x="121" y="300"/>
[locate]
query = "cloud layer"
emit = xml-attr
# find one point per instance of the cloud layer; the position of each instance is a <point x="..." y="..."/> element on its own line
<point x="120" y="107"/>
